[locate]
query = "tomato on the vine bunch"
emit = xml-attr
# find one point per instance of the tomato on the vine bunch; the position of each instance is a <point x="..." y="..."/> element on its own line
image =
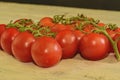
<point x="59" y="37"/>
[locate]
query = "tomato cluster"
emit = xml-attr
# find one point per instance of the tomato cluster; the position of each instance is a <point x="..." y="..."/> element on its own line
<point x="53" y="39"/>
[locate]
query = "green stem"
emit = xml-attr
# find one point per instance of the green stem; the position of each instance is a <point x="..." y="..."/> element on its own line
<point x="114" y="44"/>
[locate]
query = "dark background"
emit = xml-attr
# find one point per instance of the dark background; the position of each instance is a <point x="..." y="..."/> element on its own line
<point x="92" y="4"/>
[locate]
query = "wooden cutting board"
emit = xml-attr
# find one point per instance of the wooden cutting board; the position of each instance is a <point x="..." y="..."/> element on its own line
<point x="71" y="69"/>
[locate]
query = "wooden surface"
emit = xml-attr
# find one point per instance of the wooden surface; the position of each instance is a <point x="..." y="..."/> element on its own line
<point x="70" y="69"/>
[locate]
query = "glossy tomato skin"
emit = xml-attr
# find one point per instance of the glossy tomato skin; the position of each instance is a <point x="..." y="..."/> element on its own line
<point x="46" y="52"/>
<point x="2" y="29"/>
<point x="46" y="21"/>
<point x="7" y="38"/>
<point x="59" y="27"/>
<point x="68" y="42"/>
<point x="94" y="46"/>
<point x="21" y="46"/>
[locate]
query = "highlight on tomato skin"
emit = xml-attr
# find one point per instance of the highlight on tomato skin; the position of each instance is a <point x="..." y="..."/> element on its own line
<point x="46" y="52"/>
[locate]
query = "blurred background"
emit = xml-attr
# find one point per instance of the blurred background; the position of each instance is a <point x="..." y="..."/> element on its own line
<point x="91" y="4"/>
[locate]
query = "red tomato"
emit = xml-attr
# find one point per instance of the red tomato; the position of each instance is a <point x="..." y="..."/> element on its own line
<point x="117" y="36"/>
<point x="68" y="42"/>
<point x="2" y="29"/>
<point x="59" y="27"/>
<point x="94" y="46"/>
<point x="24" y="22"/>
<point x="21" y="46"/>
<point x="78" y="35"/>
<point x="113" y="34"/>
<point x="46" y="52"/>
<point x="7" y="37"/>
<point x="46" y="21"/>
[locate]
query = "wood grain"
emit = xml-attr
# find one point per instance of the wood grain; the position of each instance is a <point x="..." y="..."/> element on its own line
<point x="70" y="69"/>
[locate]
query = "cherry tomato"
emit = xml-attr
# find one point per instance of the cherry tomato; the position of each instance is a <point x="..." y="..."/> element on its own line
<point x="46" y="21"/>
<point x="94" y="46"/>
<point x="2" y="29"/>
<point x="46" y="51"/>
<point x="68" y="42"/>
<point x="59" y="27"/>
<point x="21" y="46"/>
<point x="117" y="39"/>
<point x="6" y="39"/>
<point x="112" y="33"/>
<point x="78" y="35"/>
